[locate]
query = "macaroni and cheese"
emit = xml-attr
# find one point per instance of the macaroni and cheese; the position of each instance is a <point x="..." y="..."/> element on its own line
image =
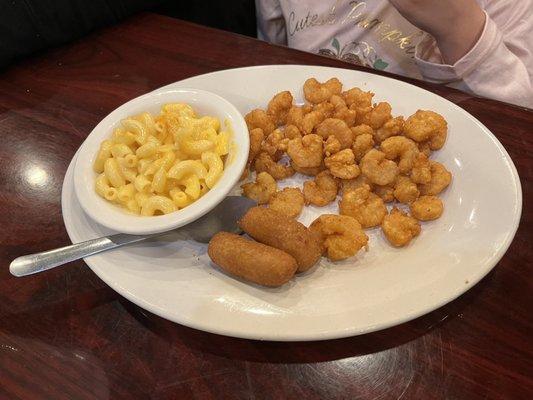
<point x="160" y="164"/>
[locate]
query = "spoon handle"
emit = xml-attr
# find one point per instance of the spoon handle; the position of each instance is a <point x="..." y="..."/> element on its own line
<point x="38" y="262"/>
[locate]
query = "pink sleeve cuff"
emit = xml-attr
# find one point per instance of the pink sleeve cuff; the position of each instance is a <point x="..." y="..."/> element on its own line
<point x="433" y="68"/>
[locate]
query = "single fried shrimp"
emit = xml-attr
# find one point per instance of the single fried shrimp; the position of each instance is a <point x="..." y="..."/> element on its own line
<point x="380" y="114"/>
<point x="399" y="228"/>
<point x="274" y="143"/>
<point x="342" y="164"/>
<point x="337" y="128"/>
<point x="296" y="115"/>
<point x="310" y="171"/>
<point x="352" y="184"/>
<point x="326" y="108"/>
<point x="331" y="146"/>
<point x="307" y="151"/>
<point x="311" y="120"/>
<point x="292" y="132"/>
<point x="366" y="207"/>
<point x="427" y="125"/>
<point x="357" y="99"/>
<point x="346" y="115"/>
<point x="393" y="127"/>
<point x="402" y="149"/>
<point x="260" y="119"/>
<point x="338" y="102"/>
<point x="316" y="92"/>
<point x="386" y="192"/>
<point x="362" y="129"/>
<point x="362" y="144"/>
<point x="378" y="169"/>
<point x="265" y="163"/>
<point x="427" y="208"/>
<point x="260" y="190"/>
<point x="342" y="111"/>
<point x="440" y="179"/>
<point x="421" y="171"/>
<point x="256" y="138"/>
<point x="279" y="107"/>
<point x="322" y="190"/>
<point x="341" y="235"/>
<point x="405" y="190"/>
<point x="289" y="202"/>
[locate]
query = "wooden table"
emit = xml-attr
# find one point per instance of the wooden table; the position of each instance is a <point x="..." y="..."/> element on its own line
<point x="65" y="335"/>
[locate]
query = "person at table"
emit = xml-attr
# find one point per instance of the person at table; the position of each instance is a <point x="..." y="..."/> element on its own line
<point x="483" y="47"/>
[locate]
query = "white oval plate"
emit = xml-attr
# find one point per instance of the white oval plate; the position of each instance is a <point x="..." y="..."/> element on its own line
<point x="374" y="290"/>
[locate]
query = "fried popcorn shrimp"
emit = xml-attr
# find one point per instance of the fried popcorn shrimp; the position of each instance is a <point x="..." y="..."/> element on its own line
<point x="342" y="164"/>
<point x="311" y="120"/>
<point x="252" y="261"/>
<point x="427" y="208"/>
<point x="366" y="207"/>
<point x="326" y="108"/>
<point x="289" y="202"/>
<point x="341" y="235"/>
<point x="292" y="132"/>
<point x="316" y="92"/>
<point x="380" y="114"/>
<point x="362" y="144"/>
<point x="399" y="228"/>
<point x="310" y="171"/>
<point x="331" y="146"/>
<point x="279" y="107"/>
<point x="425" y="148"/>
<point x="277" y="230"/>
<point x="393" y="127"/>
<point x="405" y="190"/>
<point x="440" y="179"/>
<point x="362" y="129"/>
<point x="260" y="119"/>
<point x="386" y="192"/>
<point x="358" y="100"/>
<point x="352" y="184"/>
<point x="256" y="138"/>
<point x="421" y="171"/>
<point x="260" y="190"/>
<point x="337" y="128"/>
<point x="322" y="190"/>
<point x="427" y="125"/>
<point x="402" y="149"/>
<point x="274" y="143"/>
<point x="296" y="114"/>
<point x="346" y="115"/>
<point x="342" y="111"/>
<point x="338" y="102"/>
<point x="378" y="169"/>
<point x="307" y="151"/>
<point x="265" y="163"/>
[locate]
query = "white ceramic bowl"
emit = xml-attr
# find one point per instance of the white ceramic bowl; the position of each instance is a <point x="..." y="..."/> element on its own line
<point x="117" y="219"/>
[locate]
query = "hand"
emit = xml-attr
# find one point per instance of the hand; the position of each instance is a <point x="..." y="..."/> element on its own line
<point x="456" y="25"/>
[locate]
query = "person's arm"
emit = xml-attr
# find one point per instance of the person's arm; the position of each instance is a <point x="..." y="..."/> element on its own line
<point x="270" y="21"/>
<point x="489" y="53"/>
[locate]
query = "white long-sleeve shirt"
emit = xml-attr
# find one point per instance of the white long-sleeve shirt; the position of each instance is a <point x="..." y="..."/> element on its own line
<point x="374" y="34"/>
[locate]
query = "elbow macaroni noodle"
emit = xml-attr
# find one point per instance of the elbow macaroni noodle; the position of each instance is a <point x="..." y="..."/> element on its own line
<point x="158" y="165"/>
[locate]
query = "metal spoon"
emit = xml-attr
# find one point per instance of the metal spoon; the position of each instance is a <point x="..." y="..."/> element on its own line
<point x="222" y="218"/>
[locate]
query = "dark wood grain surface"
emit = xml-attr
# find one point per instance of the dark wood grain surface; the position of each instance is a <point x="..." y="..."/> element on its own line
<point x="65" y="335"/>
